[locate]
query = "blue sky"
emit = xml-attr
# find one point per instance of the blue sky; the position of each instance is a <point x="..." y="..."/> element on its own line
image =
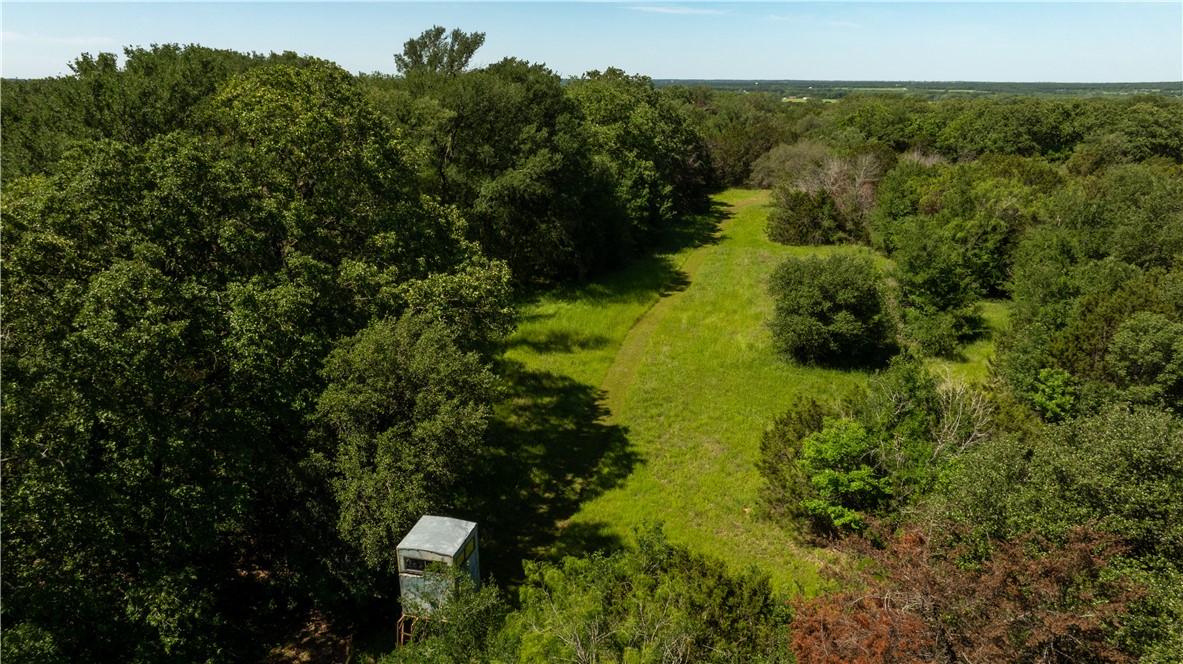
<point x="972" y="41"/>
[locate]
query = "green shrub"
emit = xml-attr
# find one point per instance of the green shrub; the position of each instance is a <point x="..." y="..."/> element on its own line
<point x="1055" y="396"/>
<point x="780" y="448"/>
<point x="892" y="447"/>
<point x="1146" y="355"/>
<point x="839" y="461"/>
<point x="940" y="333"/>
<point x="829" y="310"/>
<point x="788" y="163"/>
<point x="656" y="603"/>
<point x="802" y="217"/>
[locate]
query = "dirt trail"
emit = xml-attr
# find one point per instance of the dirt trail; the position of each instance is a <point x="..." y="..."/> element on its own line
<point x="624" y="367"/>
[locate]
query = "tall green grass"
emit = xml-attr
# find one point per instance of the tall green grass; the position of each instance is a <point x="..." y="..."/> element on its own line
<point x="643" y="396"/>
<point x="675" y="355"/>
<point x="696" y="399"/>
<point x="974" y="364"/>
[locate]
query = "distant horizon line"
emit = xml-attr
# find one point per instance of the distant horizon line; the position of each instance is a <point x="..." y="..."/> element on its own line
<point x="902" y="80"/>
<point x="667" y="79"/>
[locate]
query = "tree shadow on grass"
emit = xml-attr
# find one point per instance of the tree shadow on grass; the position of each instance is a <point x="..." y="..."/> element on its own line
<point x="559" y="341"/>
<point x="551" y="446"/>
<point x="694" y="230"/>
<point x="638" y="281"/>
<point x="654" y="272"/>
<point x="550" y="449"/>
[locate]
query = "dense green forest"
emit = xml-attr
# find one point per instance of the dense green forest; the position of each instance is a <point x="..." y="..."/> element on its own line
<point x="259" y="315"/>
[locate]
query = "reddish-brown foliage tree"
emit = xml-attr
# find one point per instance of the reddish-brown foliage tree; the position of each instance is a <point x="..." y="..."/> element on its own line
<point x="859" y="628"/>
<point x="1031" y="600"/>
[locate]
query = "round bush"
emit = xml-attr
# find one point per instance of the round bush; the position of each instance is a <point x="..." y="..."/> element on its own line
<point x="829" y="310"/>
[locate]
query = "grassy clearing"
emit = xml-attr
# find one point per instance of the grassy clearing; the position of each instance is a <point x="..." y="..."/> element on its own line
<point x="704" y="384"/>
<point x="643" y="396"/>
<point x="974" y="364"/>
<point x="554" y="443"/>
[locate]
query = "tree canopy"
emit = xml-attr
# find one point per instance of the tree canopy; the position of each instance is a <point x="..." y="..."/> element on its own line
<point x="169" y="308"/>
<point x="437" y="51"/>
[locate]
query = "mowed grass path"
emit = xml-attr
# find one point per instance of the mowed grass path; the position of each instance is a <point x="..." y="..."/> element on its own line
<point x="696" y="382"/>
<point x="673" y="359"/>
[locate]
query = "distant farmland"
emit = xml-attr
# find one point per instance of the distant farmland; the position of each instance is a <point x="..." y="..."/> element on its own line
<point x="798" y="90"/>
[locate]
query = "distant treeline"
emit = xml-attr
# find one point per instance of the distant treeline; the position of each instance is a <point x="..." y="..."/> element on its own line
<point x="747" y="134"/>
<point x="927" y="89"/>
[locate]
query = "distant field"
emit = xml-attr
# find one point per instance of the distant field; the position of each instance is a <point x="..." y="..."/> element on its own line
<point x="932" y="89"/>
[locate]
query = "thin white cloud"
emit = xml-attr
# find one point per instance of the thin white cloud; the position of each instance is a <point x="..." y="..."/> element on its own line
<point x="21" y="38"/>
<point x="809" y="21"/>
<point x="667" y="9"/>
